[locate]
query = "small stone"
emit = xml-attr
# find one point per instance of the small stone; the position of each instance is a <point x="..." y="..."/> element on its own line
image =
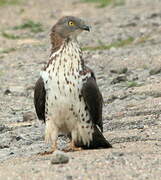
<point x="18" y="138"/>
<point x="29" y="116"/>
<point x="7" y="92"/>
<point x="154" y="15"/>
<point x="111" y="99"/>
<point x="4" y="128"/>
<point x="3" y="146"/>
<point x="30" y="88"/>
<point x="59" y="157"/>
<point x="143" y="30"/>
<point x="69" y="177"/>
<point x="118" y="79"/>
<point x="154" y="71"/>
<point x="114" y="155"/>
<point x="122" y="70"/>
<point x="11" y="153"/>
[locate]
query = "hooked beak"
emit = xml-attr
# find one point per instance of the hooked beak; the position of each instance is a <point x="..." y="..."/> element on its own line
<point x="85" y="28"/>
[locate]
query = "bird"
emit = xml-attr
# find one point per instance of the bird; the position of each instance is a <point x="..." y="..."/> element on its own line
<point x="66" y="95"/>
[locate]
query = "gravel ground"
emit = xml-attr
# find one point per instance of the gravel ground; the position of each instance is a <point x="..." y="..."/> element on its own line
<point x="127" y="63"/>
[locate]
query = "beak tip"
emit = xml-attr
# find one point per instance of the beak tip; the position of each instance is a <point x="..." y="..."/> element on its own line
<point x="86" y="28"/>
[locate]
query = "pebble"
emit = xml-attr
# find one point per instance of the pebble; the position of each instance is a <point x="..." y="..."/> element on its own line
<point x="122" y="70"/>
<point x="59" y="157"/>
<point x="29" y="116"/>
<point x="118" y="79"/>
<point x="154" y="71"/>
<point x="4" y="128"/>
<point x="7" y="92"/>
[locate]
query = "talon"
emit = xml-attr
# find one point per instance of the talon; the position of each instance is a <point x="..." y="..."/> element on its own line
<point x="72" y="148"/>
<point x="77" y="149"/>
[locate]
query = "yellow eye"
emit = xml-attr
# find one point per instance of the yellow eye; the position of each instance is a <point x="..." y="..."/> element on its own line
<point x="71" y="23"/>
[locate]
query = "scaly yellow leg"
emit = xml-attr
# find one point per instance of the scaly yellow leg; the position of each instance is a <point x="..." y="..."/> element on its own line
<point x="72" y="147"/>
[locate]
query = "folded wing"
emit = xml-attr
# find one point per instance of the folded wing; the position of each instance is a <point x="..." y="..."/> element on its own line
<point x="39" y="99"/>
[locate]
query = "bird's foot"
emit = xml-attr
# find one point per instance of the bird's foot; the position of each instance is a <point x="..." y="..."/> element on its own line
<point x="72" y="148"/>
<point x="76" y="149"/>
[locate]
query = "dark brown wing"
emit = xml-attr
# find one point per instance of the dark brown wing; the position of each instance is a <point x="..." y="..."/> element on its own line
<point x="93" y="99"/>
<point x="39" y="99"/>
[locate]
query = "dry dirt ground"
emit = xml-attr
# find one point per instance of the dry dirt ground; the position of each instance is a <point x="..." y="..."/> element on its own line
<point x="124" y="49"/>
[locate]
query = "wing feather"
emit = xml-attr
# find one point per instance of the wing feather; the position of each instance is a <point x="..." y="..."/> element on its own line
<point x="39" y="99"/>
<point x="93" y="100"/>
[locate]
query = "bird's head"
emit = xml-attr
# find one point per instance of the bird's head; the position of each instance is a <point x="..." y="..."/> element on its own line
<point x="69" y="26"/>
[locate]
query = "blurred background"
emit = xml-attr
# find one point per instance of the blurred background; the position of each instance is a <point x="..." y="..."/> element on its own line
<point x="124" y="50"/>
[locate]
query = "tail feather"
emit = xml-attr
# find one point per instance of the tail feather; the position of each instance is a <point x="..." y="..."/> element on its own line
<point x="98" y="141"/>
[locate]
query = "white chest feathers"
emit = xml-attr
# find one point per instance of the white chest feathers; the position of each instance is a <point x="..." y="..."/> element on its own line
<point x="61" y="76"/>
<point x="65" y="106"/>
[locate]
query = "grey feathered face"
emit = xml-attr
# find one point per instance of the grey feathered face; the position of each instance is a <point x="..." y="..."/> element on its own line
<point x="70" y="26"/>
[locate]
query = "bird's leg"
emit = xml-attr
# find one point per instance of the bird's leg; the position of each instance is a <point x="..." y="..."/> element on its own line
<point x="51" y="134"/>
<point x="73" y="147"/>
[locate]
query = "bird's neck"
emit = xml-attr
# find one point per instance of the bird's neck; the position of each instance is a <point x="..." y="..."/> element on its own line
<point x="56" y="41"/>
<point x="68" y="54"/>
